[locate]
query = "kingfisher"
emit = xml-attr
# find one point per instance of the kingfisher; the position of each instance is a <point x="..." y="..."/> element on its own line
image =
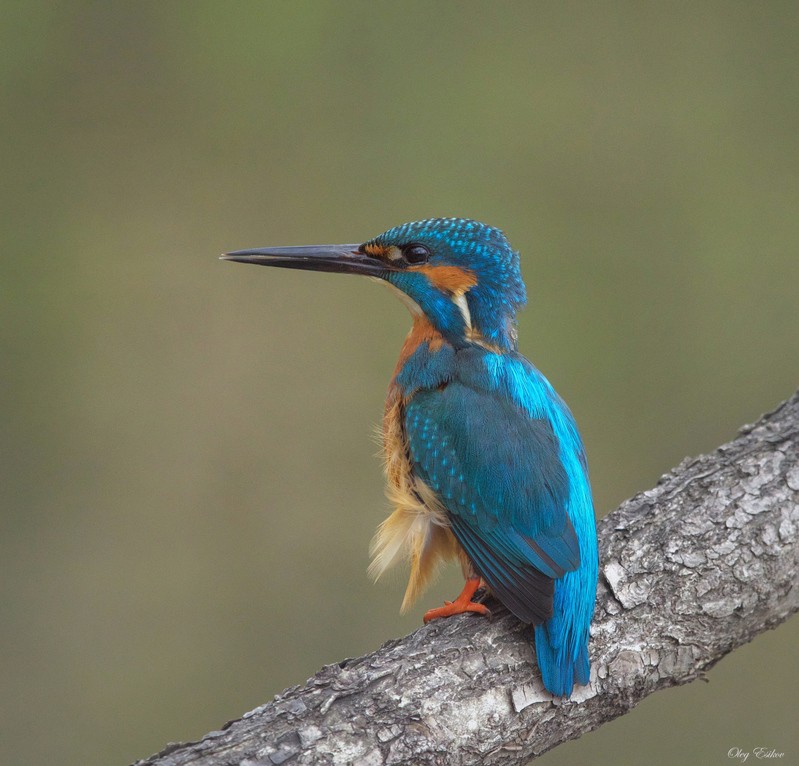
<point x="483" y="460"/>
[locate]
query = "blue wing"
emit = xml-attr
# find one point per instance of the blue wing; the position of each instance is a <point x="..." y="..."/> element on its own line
<point x="498" y="473"/>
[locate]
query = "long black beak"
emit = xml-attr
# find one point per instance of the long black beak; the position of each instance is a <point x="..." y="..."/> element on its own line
<point x="341" y="259"/>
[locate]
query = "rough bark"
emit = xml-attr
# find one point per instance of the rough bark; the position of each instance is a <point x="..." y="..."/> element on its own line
<point x="689" y="570"/>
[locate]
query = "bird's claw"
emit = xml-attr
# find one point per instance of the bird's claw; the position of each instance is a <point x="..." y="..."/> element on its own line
<point x="452" y="608"/>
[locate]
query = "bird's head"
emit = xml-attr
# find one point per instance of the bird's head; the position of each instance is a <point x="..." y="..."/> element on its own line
<point x="461" y="274"/>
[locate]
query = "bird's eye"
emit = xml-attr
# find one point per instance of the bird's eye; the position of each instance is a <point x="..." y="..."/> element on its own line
<point x="416" y="253"/>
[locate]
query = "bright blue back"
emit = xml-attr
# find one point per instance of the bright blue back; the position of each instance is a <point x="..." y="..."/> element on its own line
<point x="490" y="436"/>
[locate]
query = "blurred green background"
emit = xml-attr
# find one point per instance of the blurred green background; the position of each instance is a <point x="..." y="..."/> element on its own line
<point x="189" y="481"/>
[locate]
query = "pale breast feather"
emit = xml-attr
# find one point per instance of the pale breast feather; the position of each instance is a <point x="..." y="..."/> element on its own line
<point x="418" y="529"/>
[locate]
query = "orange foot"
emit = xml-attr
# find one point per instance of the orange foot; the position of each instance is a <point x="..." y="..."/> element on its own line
<point x="461" y="604"/>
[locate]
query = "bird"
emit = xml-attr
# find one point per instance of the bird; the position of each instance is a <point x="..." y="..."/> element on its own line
<point x="484" y="462"/>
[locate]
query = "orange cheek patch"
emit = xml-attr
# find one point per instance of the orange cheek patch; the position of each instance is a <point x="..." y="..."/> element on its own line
<point x="450" y="279"/>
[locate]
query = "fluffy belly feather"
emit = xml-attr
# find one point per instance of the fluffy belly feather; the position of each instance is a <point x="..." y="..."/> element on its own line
<point x="418" y="529"/>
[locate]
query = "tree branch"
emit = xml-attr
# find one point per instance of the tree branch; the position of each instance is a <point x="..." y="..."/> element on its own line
<point x="690" y="570"/>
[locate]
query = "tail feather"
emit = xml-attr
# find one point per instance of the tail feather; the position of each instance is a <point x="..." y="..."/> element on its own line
<point x="557" y="670"/>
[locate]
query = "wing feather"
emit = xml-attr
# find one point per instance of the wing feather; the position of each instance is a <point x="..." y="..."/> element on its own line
<point x="498" y="474"/>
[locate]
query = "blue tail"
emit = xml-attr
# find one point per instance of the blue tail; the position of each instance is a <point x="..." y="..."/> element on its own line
<point x="561" y="643"/>
<point x="560" y="670"/>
